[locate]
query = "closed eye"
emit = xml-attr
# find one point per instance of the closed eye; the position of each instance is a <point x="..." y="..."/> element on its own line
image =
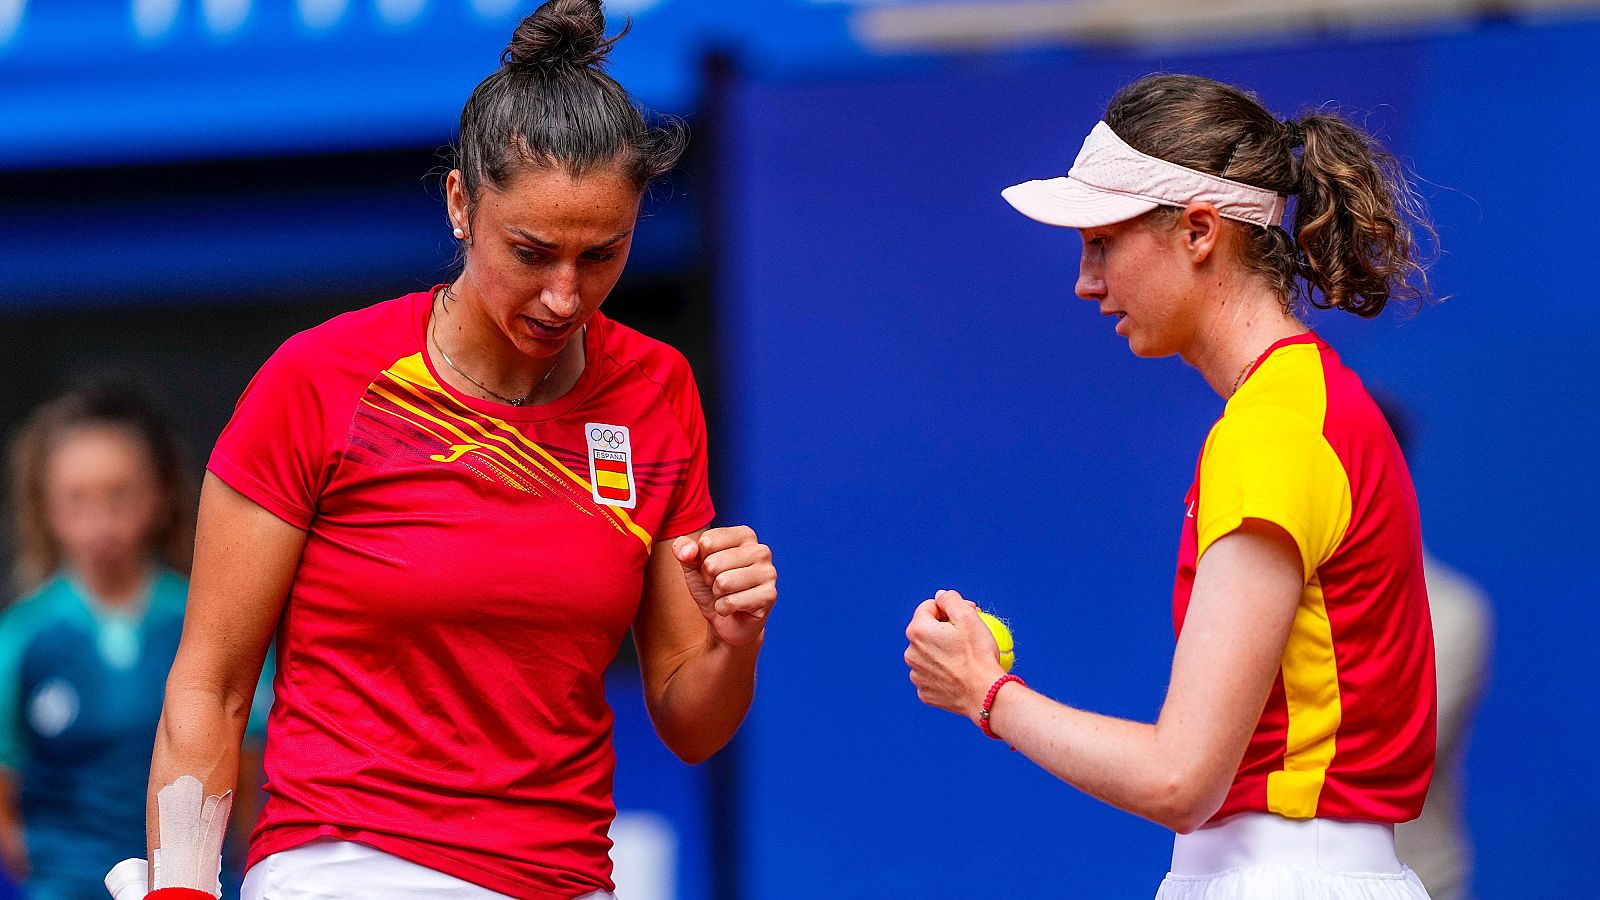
<point x="534" y="256"/>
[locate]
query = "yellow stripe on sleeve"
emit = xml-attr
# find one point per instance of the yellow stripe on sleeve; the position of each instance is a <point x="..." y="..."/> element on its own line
<point x="1267" y="459"/>
<point x="1311" y="690"/>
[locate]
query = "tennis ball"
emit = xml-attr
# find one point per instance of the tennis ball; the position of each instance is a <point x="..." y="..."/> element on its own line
<point x="1002" y="639"/>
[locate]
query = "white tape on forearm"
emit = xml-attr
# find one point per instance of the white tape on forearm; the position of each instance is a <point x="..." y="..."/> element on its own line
<point x="191" y="827"/>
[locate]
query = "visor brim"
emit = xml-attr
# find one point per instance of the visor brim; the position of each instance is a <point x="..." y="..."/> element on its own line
<point x="1068" y="203"/>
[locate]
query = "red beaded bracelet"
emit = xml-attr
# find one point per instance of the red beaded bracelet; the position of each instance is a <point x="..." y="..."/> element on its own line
<point x="988" y="703"/>
<point x="177" y="893"/>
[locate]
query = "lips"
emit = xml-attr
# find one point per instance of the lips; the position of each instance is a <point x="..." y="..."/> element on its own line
<point x="546" y="331"/>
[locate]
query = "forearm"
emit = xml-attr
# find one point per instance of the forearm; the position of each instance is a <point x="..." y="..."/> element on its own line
<point x="1176" y="772"/>
<point x="199" y="735"/>
<point x="705" y="699"/>
<point x="10" y="809"/>
<point x="13" y="843"/>
<point x="244" y="563"/>
<point x="1131" y="765"/>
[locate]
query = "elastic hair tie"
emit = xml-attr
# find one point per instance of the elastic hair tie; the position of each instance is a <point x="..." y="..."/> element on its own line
<point x="1296" y="136"/>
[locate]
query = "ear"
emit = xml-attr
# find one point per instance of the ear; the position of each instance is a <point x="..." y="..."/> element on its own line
<point x="455" y="201"/>
<point x="1201" y="226"/>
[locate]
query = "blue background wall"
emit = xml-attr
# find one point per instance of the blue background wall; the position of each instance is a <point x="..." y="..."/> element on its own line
<point x="96" y="81"/>
<point x="650" y="779"/>
<point x="915" y="400"/>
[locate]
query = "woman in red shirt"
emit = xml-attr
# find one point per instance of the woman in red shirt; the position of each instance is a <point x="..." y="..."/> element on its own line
<point x="1298" y="724"/>
<point x="451" y="507"/>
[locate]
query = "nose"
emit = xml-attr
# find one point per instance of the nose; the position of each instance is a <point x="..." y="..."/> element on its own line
<point x="561" y="295"/>
<point x="1091" y="283"/>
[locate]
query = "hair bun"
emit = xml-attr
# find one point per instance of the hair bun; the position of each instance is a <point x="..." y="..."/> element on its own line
<point x="560" y="34"/>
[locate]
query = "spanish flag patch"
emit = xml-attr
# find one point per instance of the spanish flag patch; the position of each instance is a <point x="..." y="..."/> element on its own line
<point x="611" y="464"/>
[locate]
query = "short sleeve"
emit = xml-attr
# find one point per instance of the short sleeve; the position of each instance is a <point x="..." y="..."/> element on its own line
<point x="12" y="754"/>
<point x="691" y="508"/>
<point x="282" y="443"/>
<point x="17" y="629"/>
<point x="1272" y="465"/>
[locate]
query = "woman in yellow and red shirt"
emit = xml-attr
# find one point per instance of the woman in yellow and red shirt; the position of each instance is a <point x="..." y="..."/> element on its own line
<point x="1298" y="727"/>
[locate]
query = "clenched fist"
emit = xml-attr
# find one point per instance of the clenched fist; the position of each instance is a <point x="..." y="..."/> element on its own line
<point x="732" y="579"/>
<point x="952" y="655"/>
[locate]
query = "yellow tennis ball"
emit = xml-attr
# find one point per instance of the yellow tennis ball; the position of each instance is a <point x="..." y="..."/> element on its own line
<point x="1002" y="639"/>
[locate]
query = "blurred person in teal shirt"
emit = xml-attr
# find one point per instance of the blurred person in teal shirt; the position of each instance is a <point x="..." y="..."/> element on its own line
<point x="104" y="524"/>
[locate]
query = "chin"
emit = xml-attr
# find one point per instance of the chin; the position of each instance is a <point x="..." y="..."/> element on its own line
<point x="1147" y="350"/>
<point x="534" y="347"/>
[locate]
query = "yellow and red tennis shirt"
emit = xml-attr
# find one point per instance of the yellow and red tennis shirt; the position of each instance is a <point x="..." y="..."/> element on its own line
<point x="470" y="569"/>
<point x="1348" y="730"/>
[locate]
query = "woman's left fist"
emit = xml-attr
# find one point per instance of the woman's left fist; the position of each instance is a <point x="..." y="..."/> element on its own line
<point x="732" y="579"/>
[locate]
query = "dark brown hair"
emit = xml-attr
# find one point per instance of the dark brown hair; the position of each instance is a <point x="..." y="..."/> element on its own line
<point x="552" y="106"/>
<point x="111" y="404"/>
<point x="1352" y="243"/>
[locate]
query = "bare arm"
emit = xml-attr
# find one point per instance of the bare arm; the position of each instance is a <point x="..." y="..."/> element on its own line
<point x="13" y="843"/>
<point x="699" y="631"/>
<point x="1177" y="771"/>
<point x="245" y="559"/>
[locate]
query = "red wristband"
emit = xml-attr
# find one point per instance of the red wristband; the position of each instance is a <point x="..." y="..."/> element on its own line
<point x="180" y="894"/>
<point x="988" y="702"/>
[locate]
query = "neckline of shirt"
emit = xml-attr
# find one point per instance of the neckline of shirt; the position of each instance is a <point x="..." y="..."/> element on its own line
<point x="594" y="343"/>
<point x="1308" y="336"/>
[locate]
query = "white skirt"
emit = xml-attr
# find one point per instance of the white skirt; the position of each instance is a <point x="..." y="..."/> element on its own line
<point x="1261" y="856"/>
<point x="329" y="869"/>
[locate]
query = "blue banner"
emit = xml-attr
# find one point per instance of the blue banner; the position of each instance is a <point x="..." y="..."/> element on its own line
<point x="113" y="81"/>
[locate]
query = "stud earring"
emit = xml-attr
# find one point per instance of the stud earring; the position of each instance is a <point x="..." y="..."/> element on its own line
<point x="460" y="233"/>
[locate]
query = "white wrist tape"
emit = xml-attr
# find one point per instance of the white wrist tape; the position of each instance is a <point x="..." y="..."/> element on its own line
<point x="191" y="827"/>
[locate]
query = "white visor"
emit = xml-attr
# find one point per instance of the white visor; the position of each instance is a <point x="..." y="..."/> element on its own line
<point x="1111" y="182"/>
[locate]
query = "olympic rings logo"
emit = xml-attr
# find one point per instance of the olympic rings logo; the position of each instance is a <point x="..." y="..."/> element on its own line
<point x="610" y="438"/>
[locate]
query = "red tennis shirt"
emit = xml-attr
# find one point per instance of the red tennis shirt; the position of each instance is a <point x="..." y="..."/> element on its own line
<point x="1348" y="731"/>
<point x="470" y="569"/>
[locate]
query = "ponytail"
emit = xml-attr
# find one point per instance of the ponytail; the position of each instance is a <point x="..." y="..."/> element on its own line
<point x="1351" y="246"/>
<point x="1352" y="234"/>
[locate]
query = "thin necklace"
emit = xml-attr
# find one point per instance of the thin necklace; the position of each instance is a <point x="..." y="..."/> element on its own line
<point x="510" y="401"/>
<point x="1245" y="372"/>
<point x="1236" y="382"/>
